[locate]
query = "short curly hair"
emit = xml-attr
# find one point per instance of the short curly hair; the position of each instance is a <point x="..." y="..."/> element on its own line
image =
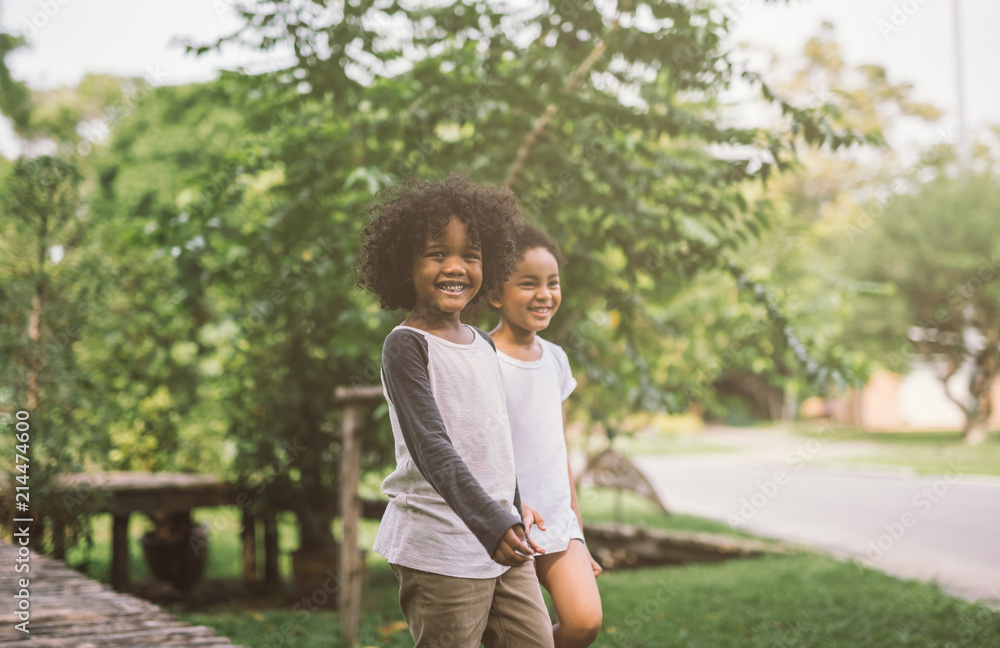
<point x="403" y="216"/>
<point x="529" y="237"/>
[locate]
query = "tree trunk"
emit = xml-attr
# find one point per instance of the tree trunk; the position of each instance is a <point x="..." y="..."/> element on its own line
<point x="316" y="560"/>
<point x="977" y="422"/>
<point x="35" y="353"/>
<point x="981" y="389"/>
<point x="315" y="530"/>
<point x="976" y="433"/>
<point x="954" y="364"/>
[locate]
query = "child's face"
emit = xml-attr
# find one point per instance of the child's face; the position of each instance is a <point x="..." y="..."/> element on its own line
<point x="532" y="295"/>
<point x="447" y="272"/>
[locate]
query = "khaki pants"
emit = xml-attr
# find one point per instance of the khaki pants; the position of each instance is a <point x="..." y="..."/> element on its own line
<point x="449" y="612"/>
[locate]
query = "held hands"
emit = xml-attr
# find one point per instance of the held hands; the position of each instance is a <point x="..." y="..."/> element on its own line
<point x="532" y="517"/>
<point x="516" y="547"/>
<point x="513" y="549"/>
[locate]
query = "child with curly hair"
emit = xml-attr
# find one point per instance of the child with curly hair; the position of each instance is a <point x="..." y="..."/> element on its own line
<point x="453" y="531"/>
<point x="537" y="382"/>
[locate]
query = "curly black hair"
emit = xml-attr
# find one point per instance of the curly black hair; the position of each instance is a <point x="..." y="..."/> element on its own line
<point x="529" y="237"/>
<point x="404" y="215"/>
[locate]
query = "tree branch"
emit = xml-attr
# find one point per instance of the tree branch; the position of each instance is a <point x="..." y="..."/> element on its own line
<point x="543" y="122"/>
<point x="953" y="368"/>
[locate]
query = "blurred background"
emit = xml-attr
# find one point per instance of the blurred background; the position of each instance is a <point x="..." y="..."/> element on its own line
<point x="778" y="216"/>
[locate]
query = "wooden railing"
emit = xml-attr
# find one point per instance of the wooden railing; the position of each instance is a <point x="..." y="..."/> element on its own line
<point x="354" y="400"/>
<point x="123" y="493"/>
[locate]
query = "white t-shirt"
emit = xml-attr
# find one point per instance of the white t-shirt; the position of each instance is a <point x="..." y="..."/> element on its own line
<point x="535" y="392"/>
<point x="452" y="494"/>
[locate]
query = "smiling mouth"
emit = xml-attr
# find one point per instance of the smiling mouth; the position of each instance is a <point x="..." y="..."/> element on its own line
<point x="545" y="310"/>
<point x="452" y="287"/>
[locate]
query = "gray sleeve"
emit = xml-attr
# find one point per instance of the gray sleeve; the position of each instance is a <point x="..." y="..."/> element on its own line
<point x="406" y="380"/>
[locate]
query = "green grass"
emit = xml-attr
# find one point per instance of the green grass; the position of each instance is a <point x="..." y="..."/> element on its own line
<point x="797" y="600"/>
<point x="937" y="460"/>
<point x="935" y="452"/>
<point x="800" y="599"/>
<point x="96" y="561"/>
<point x="852" y="433"/>
<point x="607" y="505"/>
<point x="653" y="443"/>
<point x="382" y="622"/>
<point x="652" y="434"/>
<point x="225" y="546"/>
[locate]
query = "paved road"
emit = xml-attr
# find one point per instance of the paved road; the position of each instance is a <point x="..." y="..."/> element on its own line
<point x="944" y="528"/>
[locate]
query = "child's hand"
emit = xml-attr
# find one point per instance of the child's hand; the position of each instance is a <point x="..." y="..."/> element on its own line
<point x="512" y="550"/>
<point x="532" y="517"/>
<point x="597" y="568"/>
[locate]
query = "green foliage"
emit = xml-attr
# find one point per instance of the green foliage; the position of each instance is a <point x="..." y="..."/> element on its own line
<point x="42" y="287"/>
<point x="225" y="220"/>
<point x="605" y="122"/>
<point x="70" y="115"/>
<point x="156" y="343"/>
<point x="236" y="313"/>
<point x="14" y="96"/>
<point x="804" y="257"/>
<point x="945" y="266"/>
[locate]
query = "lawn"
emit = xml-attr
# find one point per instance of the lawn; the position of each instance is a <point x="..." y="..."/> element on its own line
<point x="798" y="599"/>
<point x="225" y="550"/>
<point x="925" y="452"/>
<point x="606" y="505"/>
<point x="650" y="434"/>
<point x="652" y="443"/>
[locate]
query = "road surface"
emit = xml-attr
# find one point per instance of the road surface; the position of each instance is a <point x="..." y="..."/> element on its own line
<point x="943" y="528"/>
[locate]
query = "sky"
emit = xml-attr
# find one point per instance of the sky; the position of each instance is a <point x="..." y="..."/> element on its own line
<point x="912" y="39"/>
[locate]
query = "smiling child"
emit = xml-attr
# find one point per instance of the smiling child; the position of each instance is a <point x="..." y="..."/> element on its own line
<point x="452" y="531"/>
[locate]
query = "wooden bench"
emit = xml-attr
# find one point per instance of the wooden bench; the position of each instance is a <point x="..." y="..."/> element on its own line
<point x="123" y="493"/>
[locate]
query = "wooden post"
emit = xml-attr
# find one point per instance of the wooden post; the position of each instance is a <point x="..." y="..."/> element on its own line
<point x="350" y="511"/>
<point x="353" y="399"/>
<point x="249" y="550"/>
<point x="119" y="552"/>
<point x="272" y="576"/>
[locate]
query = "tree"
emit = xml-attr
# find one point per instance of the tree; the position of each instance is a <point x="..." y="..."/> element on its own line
<point x="15" y="98"/>
<point x="805" y="256"/>
<point x="849" y="201"/>
<point x="109" y="364"/>
<point x="42" y="227"/>
<point x="158" y="345"/>
<point x="605" y="121"/>
<point x="236" y="229"/>
<point x="49" y="287"/>
<point x="940" y="247"/>
<point x="66" y="116"/>
<point x="235" y="297"/>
